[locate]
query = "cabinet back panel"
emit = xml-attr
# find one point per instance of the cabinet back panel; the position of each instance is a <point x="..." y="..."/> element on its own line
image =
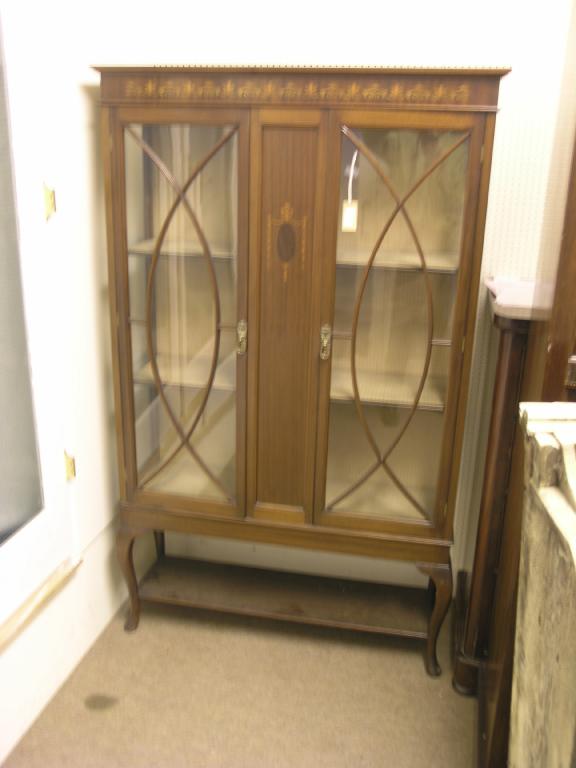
<point x="288" y="188"/>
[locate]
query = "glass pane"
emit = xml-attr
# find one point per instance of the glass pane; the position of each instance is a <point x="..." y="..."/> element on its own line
<point x="397" y="261"/>
<point x="434" y="206"/>
<point x="415" y="462"/>
<point x="20" y="483"/>
<point x="181" y="188"/>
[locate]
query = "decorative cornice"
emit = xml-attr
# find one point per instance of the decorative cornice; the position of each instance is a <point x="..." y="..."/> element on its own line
<point x="426" y="89"/>
<point x="308" y="90"/>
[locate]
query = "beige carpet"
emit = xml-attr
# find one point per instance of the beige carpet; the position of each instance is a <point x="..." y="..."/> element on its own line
<point x="197" y="689"/>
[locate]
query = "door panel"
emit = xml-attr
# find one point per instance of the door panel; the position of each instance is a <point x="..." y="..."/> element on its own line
<point x="185" y="265"/>
<point x="391" y="386"/>
<point x="287" y="189"/>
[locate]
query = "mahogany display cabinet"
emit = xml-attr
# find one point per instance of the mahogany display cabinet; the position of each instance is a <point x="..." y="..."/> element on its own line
<point x="294" y="257"/>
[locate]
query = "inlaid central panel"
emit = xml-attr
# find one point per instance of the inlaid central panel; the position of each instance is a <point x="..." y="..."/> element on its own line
<point x="290" y="159"/>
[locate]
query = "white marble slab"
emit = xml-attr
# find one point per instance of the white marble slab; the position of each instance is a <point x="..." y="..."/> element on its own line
<point x="520" y="299"/>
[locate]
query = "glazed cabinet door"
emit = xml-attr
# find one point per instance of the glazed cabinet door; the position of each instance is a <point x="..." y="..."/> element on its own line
<point x="181" y="271"/>
<point x="402" y="189"/>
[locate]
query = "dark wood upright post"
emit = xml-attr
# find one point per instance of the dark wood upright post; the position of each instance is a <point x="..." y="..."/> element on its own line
<point x="472" y="642"/>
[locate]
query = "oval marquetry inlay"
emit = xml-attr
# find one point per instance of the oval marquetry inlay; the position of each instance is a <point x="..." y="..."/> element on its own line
<point x="286" y="242"/>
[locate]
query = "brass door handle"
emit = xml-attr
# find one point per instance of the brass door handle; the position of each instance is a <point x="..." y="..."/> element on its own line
<point x="242" y="337"/>
<point x="325" y="342"/>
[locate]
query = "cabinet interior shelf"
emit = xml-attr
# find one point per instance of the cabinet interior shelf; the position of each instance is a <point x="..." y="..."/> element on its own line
<point x="444" y="263"/>
<point x="180" y="248"/>
<point x="393" y="389"/>
<point x="194" y="372"/>
<point x="181" y="477"/>
<point x="396" y="389"/>
<point x="377" y="502"/>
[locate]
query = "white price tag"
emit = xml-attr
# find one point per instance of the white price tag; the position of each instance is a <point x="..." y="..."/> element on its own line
<point x="349" y="215"/>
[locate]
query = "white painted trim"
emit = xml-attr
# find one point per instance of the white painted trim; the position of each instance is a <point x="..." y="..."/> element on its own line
<point x="25" y="613"/>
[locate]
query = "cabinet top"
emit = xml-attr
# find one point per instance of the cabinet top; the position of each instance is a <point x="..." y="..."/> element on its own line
<point x="423" y="88"/>
<point x="289" y="69"/>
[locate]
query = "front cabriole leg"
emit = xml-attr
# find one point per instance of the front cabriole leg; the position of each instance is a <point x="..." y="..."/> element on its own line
<point x="124" y="544"/>
<point x="441" y="578"/>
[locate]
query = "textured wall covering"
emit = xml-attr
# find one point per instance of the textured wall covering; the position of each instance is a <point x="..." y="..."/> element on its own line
<point x="543" y="717"/>
<point x="535" y="131"/>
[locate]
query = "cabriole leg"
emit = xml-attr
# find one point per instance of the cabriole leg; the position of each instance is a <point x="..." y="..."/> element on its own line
<point x="124" y="543"/>
<point x="441" y="578"/>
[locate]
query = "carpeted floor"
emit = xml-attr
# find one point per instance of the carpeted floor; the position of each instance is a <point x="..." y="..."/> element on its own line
<point x="196" y="689"/>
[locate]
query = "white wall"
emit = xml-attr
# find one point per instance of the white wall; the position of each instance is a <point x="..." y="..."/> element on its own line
<point x="48" y="52"/>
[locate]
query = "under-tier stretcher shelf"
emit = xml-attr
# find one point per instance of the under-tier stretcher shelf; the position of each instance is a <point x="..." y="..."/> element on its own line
<point x="290" y="597"/>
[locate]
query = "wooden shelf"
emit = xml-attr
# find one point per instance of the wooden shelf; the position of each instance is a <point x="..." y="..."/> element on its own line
<point x="388" y="388"/>
<point x="377" y="499"/>
<point x="188" y="249"/>
<point x="446" y="263"/>
<point x="415" y="462"/>
<point x="401" y="611"/>
<point x="377" y="388"/>
<point x="193" y="373"/>
<point x="183" y="477"/>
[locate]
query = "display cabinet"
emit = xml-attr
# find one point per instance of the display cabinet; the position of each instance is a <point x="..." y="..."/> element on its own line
<point x="294" y="259"/>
